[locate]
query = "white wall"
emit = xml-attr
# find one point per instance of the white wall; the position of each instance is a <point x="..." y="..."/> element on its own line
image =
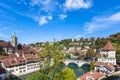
<point x="23" y="69"/>
<point x="108" y="60"/>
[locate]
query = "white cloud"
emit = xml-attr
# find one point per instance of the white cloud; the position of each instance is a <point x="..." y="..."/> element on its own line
<point x="35" y="8"/>
<point x="35" y="2"/>
<point x="49" y="17"/>
<point x="62" y="16"/>
<point x="115" y="17"/>
<point x="45" y="5"/>
<point x="77" y="4"/>
<point x="79" y="36"/>
<point x="99" y="22"/>
<point x="43" y="19"/>
<point x="38" y="2"/>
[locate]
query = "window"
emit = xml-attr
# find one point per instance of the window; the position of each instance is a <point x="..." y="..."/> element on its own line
<point x="20" y="71"/>
<point x="23" y="70"/>
<point x="20" y="61"/>
<point x="11" y="70"/>
<point x="12" y="62"/>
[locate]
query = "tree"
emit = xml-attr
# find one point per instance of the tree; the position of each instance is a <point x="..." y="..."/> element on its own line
<point x="34" y="76"/>
<point x="19" y="46"/>
<point x="67" y="56"/>
<point x="76" y="53"/>
<point x="11" y="77"/>
<point x="90" y="53"/>
<point x="100" y="42"/>
<point x="2" y="52"/>
<point x="51" y="62"/>
<point x="68" y="74"/>
<point x="92" y="66"/>
<point x="80" y="57"/>
<point x="118" y="55"/>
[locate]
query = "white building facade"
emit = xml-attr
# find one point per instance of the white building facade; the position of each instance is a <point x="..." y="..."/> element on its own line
<point x="108" y="54"/>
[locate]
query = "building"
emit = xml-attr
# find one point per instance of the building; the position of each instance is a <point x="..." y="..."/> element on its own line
<point x="104" y="67"/>
<point x="8" y="48"/>
<point x="14" y="42"/>
<point x="108" y="54"/>
<point x="17" y="62"/>
<point x="91" y="76"/>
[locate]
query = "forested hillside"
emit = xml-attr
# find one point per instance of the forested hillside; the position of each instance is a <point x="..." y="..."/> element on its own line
<point x="96" y="43"/>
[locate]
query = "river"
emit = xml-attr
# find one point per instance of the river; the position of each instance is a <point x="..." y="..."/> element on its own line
<point x="79" y="70"/>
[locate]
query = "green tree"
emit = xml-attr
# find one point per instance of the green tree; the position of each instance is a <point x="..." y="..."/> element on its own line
<point x="68" y="74"/>
<point x="2" y="52"/>
<point x="67" y="56"/>
<point x="51" y="61"/>
<point x="34" y="76"/>
<point x="80" y="57"/>
<point x="90" y="53"/>
<point x="118" y="55"/>
<point x="92" y="66"/>
<point x="19" y="46"/>
<point x="100" y="42"/>
<point x="11" y="77"/>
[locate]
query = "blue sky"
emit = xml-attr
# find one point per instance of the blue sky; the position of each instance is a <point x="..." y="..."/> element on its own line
<point x="44" y="20"/>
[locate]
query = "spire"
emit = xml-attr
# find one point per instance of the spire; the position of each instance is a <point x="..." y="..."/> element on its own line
<point x="14" y="35"/>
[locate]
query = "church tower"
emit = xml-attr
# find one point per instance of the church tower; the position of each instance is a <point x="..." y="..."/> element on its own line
<point x="14" y="41"/>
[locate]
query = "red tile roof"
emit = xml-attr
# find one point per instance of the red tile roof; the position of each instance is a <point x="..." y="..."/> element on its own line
<point x="95" y="75"/>
<point x="21" y="60"/>
<point x="107" y="65"/>
<point x="72" y="51"/>
<point x="3" y="57"/>
<point x="109" y="46"/>
<point x="12" y="55"/>
<point x="5" y="44"/>
<point x="9" y="62"/>
<point x="31" y="57"/>
<point x="13" y="60"/>
<point x="28" y="49"/>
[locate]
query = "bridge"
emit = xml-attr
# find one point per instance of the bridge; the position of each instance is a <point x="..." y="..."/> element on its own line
<point x="78" y="62"/>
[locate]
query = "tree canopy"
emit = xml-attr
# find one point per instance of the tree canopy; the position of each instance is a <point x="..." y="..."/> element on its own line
<point x="90" y="53"/>
<point x="92" y="66"/>
<point x="51" y="61"/>
<point x="68" y="74"/>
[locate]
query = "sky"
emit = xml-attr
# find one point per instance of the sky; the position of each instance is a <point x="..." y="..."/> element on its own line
<point x="46" y="20"/>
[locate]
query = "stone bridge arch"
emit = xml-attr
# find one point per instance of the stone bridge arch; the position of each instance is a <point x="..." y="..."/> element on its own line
<point x="78" y="62"/>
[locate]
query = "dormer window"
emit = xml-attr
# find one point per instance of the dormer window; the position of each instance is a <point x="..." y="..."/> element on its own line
<point x="12" y="62"/>
<point x="20" y="61"/>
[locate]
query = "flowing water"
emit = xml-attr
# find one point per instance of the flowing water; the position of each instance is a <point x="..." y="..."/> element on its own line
<point x="79" y="70"/>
